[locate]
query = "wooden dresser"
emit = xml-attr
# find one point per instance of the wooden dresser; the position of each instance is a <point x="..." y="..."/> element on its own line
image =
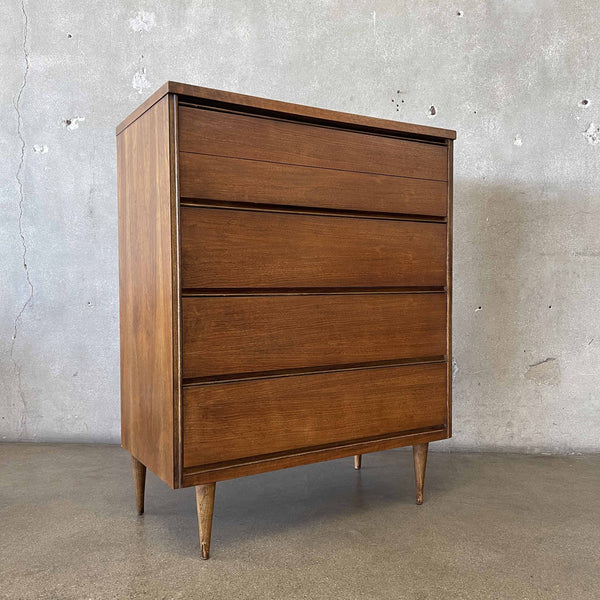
<point x="285" y="286"/>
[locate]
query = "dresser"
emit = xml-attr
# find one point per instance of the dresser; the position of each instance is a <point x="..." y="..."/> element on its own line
<point x="285" y="288"/>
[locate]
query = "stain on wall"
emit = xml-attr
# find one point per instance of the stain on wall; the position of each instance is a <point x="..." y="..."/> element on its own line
<point x="545" y="372"/>
<point x="518" y="80"/>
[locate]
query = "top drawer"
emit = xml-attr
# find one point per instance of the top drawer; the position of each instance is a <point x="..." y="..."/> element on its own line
<point x="243" y="136"/>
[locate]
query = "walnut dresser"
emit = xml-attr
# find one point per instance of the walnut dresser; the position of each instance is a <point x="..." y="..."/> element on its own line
<point x="285" y="287"/>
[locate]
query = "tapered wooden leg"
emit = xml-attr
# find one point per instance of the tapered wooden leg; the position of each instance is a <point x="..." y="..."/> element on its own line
<point x="205" y="501"/>
<point x="357" y="461"/>
<point x="139" y="481"/>
<point x="420" y="460"/>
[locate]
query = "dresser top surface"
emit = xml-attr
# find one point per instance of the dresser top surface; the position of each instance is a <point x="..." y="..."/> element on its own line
<point x="276" y="108"/>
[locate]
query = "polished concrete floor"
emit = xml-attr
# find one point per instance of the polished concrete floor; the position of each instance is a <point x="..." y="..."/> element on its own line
<point x="492" y="526"/>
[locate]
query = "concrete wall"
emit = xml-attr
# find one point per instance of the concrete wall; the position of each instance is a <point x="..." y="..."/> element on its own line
<point x="518" y="79"/>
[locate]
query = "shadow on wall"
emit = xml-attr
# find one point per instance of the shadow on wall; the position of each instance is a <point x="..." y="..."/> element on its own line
<point x="488" y="246"/>
<point x="526" y="292"/>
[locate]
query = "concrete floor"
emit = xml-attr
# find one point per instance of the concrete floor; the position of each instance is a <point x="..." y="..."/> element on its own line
<point x="492" y="526"/>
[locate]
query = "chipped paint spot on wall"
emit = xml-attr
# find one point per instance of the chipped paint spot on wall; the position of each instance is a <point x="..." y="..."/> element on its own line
<point x="592" y="134"/>
<point x="432" y="111"/>
<point x="455" y="368"/>
<point x="139" y="81"/>
<point x="73" y="123"/>
<point x="546" y="372"/>
<point x="518" y="141"/>
<point x="40" y="148"/>
<point x="142" y="21"/>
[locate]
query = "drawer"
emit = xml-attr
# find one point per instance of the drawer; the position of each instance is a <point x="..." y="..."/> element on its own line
<point x="243" y="136"/>
<point x="224" y="248"/>
<point x="225" y="422"/>
<point x="237" y="180"/>
<point x="256" y="334"/>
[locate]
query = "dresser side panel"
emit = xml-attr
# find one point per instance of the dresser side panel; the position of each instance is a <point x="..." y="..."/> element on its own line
<point x="148" y="429"/>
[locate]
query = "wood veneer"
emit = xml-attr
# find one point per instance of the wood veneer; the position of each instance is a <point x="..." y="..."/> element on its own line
<point x="241" y="334"/>
<point x="252" y="249"/>
<point x="226" y="179"/>
<point x="230" y="134"/>
<point x="229" y="421"/>
<point x="285" y="288"/>
<point x="149" y="382"/>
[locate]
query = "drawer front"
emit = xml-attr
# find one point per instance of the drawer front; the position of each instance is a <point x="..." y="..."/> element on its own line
<point x="237" y="180"/>
<point x="223" y="248"/>
<point x="243" y="136"/>
<point x="225" y="422"/>
<point x="257" y="334"/>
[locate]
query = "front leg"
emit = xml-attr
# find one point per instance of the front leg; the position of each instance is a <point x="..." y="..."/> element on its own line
<point x="205" y="502"/>
<point x="420" y="461"/>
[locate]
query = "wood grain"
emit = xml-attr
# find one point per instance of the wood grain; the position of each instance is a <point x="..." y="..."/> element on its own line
<point x="145" y="288"/>
<point x="205" y="503"/>
<point x="238" y="180"/>
<point x="264" y="333"/>
<point x="253" y="466"/>
<point x="243" y="136"/>
<point x="224" y="422"/>
<point x="420" y="463"/>
<point x="224" y="248"/>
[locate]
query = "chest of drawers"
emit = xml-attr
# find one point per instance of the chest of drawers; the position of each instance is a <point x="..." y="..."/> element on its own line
<point x="285" y="288"/>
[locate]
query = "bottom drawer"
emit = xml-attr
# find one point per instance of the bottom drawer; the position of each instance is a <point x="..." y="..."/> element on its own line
<point x="229" y="421"/>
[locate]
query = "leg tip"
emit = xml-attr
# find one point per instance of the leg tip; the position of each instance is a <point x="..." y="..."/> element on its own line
<point x="204" y="552"/>
<point x="419" y="499"/>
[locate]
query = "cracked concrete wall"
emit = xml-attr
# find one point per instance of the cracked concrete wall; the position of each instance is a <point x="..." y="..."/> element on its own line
<point x="519" y="81"/>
